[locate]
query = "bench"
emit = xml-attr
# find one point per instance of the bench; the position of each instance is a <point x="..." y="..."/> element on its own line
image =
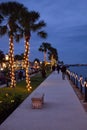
<point x="37" y="100"/>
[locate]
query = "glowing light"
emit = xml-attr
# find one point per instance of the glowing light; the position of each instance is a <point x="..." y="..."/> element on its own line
<point x="26" y="63"/>
<point x="11" y="62"/>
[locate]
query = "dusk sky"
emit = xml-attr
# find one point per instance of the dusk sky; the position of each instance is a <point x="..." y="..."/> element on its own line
<point x="66" y="28"/>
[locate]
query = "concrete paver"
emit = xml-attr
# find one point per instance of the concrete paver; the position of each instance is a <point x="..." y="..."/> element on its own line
<point x="62" y="109"/>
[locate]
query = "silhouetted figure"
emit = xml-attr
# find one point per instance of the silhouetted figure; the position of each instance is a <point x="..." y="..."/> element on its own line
<point x="63" y="70"/>
<point x="53" y="68"/>
<point x="43" y="73"/>
<point x="20" y="75"/>
<point x="58" y="68"/>
<point x="16" y="76"/>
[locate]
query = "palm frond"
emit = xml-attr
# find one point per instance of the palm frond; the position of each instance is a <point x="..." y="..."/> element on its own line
<point x="3" y="30"/>
<point x="37" y="26"/>
<point x="34" y="16"/>
<point x="42" y="34"/>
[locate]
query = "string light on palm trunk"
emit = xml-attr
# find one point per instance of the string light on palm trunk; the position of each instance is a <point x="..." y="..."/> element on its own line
<point x="26" y="64"/>
<point x="11" y="62"/>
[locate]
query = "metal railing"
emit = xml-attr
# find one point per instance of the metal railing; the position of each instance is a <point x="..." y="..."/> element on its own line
<point x="79" y="82"/>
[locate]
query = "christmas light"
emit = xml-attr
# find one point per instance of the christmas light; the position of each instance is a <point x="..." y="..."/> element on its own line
<point x="11" y="62"/>
<point x="26" y="63"/>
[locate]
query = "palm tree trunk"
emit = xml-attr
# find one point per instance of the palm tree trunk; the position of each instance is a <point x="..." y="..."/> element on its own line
<point x="11" y="62"/>
<point x="26" y="62"/>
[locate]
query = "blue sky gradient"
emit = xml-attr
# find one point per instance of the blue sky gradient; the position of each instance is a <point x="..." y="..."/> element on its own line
<point x="66" y="27"/>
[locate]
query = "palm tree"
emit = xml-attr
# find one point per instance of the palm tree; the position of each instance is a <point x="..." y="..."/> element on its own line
<point x="44" y="48"/>
<point x="29" y="23"/>
<point x="20" y="22"/>
<point x="9" y="14"/>
<point x="53" y="56"/>
<point x="53" y="53"/>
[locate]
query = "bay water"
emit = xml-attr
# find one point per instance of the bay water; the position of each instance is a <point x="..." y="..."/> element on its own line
<point x="80" y="70"/>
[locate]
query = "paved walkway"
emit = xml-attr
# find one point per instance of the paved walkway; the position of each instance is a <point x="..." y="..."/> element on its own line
<point x="62" y="109"/>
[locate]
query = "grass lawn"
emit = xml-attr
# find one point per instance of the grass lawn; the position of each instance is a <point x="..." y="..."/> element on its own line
<point x="10" y="98"/>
